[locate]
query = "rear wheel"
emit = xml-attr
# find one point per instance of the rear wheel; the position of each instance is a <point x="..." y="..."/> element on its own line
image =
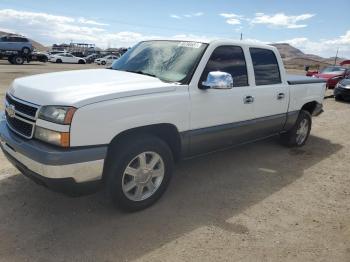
<point x="298" y="135"/>
<point x="81" y="61"/>
<point x="138" y="172"/>
<point x="59" y="61"/>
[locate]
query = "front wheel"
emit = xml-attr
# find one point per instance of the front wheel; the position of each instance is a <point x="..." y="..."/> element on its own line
<point x="138" y="172"/>
<point x="298" y="135"/>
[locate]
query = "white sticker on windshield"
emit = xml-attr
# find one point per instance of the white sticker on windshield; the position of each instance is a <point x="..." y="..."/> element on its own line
<point x="190" y="44"/>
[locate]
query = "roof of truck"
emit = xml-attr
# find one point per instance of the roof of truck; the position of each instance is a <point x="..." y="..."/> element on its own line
<point x="217" y="41"/>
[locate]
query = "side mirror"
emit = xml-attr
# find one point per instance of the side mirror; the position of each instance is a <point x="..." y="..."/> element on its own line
<point x="218" y="80"/>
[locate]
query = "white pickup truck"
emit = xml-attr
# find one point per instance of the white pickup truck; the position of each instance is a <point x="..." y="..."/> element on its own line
<point x="162" y="101"/>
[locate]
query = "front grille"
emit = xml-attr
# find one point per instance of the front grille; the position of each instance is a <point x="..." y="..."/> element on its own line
<point x="22" y="107"/>
<point x="19" y="126"/>
<point x="22" y="120"/>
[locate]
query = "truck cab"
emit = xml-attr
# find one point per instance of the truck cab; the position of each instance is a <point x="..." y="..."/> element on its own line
<point x="162" y="101"/>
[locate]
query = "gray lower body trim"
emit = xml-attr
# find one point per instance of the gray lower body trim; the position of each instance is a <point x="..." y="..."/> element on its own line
<point x="47" y="154"/>
<point x="204" y="140"/>
<point x="291" y="120"/>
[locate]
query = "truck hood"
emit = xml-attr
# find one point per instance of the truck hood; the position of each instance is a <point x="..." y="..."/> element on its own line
<point x="82" y="87"/>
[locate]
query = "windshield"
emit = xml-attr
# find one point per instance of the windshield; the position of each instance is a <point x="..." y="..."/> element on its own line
<point x="333" y="70"/>
<point x="170" y="61"/>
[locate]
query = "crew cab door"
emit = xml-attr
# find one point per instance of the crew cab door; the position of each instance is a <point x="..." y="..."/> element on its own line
<point x="218" y="115"/>
<point x="270" y="93"/>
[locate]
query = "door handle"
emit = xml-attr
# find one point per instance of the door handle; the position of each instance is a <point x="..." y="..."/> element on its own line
<point x="248" y="100"/>
<point x="280" y="96"/>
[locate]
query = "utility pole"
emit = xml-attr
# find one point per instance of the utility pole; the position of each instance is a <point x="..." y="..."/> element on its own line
<point x="336" y="56"/>
<point x="241" y="36"/>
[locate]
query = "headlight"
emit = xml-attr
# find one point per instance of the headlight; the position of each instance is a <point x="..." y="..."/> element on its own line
<point x="57" y="114"/>
<point x="52" y="137"/>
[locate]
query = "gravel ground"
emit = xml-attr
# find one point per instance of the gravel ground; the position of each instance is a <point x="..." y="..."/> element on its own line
<point x="259" y="202"/>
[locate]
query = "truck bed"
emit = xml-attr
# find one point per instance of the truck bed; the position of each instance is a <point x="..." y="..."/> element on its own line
<point x="299" y="80"/>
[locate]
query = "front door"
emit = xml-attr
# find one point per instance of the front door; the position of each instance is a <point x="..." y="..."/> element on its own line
<point x="218" y="116"/>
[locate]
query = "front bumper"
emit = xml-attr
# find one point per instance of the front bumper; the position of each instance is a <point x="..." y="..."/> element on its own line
<point x="60" y="169"/>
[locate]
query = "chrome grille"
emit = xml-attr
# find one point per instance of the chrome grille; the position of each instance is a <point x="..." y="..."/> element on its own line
<point x="21" y="107"/>
<point x="20" y="116"/>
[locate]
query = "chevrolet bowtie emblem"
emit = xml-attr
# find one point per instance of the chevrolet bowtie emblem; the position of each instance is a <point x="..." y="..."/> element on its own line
<point x="10" y="110"/>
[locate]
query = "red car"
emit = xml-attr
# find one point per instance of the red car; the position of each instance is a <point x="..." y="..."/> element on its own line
<point x="333" y="74"/>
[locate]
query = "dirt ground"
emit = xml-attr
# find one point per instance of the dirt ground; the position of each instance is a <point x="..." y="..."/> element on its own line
<point x="259" y="202"/>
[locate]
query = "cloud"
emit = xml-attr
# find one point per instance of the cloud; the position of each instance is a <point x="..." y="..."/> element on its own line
<point x="175" y="16"/>
<point x="324" y="47"/>
<point x="281" y="20"/>
<point x="83" y="20"/>
<point x="232" y="18"/>
<point x="48" y="29"/>
<point x="191" y="15"/>
<point x="52" y="26"/>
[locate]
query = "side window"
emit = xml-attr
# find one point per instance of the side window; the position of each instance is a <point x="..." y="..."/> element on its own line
<point x="265" y="65"/>
<point x="229" y="59"/>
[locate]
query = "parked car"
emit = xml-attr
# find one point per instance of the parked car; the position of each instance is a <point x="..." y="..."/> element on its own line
<point x="109" y="59"/>
<point x="67" y="58"/>
<point x="16" y="43"/>
<point x="124" y="127"/>
<point x="333" y="74"/>
<point x="91" y="58"/>
<point x="342" y="90"/>
<point x="56" y="52"/>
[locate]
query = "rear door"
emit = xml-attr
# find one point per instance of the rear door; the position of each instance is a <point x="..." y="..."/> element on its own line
<point x="270" y="92"/>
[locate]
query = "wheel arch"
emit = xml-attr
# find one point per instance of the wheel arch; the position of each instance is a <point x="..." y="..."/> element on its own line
<point x="165" y="131"/>
<point x="310" y="106"/>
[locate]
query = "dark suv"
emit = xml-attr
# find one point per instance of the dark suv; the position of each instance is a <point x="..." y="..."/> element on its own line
<point x="16" y="43"/>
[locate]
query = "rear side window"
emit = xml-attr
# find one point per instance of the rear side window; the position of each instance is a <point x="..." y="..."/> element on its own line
<point x="229" y="59"/>
<point x="265" y="65"/>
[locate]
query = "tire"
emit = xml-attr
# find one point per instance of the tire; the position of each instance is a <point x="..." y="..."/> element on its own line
<point x="298" y="135"/>
<point x="128" y="155"/>
<point x="338" y="98"/>
<point x="18" y="60"/>
<point x="59" y="61"/>
<point x="25" y="51"/>
<point x="81" y="61"/>
<point x="10" y="59"/>
<point x="103" y="62"/>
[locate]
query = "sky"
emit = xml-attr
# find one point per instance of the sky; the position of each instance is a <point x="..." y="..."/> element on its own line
<point x="315" y="27"/>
